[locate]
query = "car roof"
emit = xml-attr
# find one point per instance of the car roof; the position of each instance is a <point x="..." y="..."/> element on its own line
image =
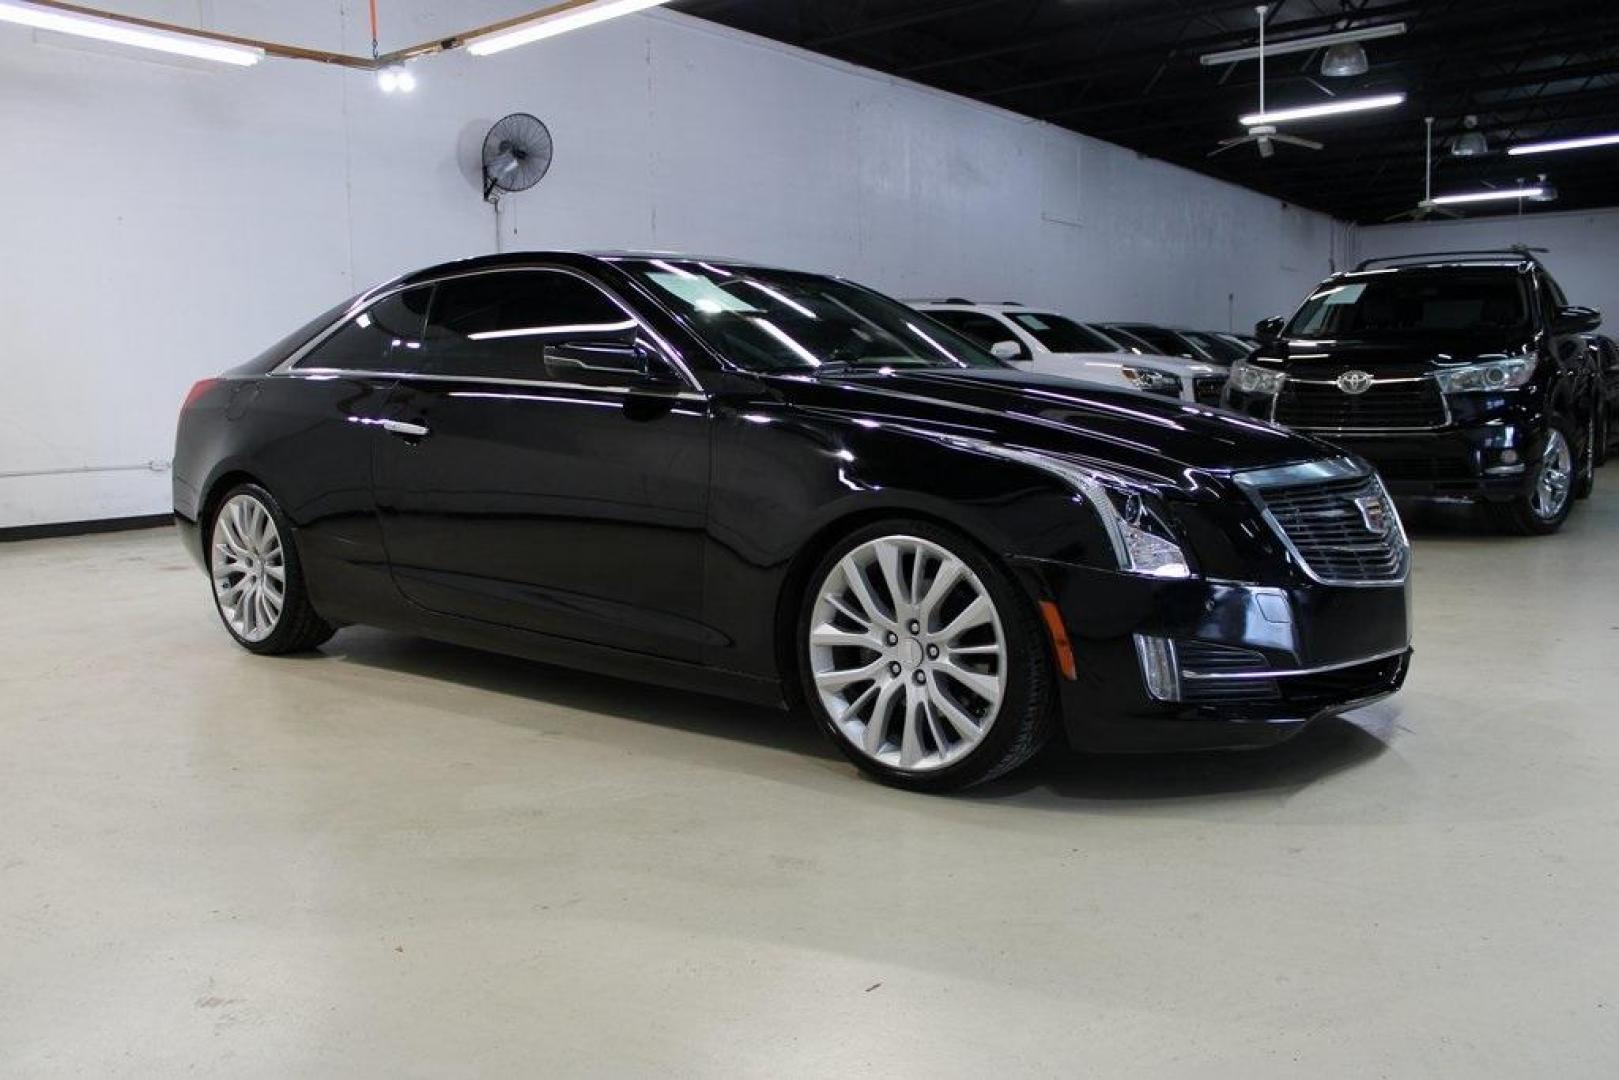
<point x="565" y="257"/>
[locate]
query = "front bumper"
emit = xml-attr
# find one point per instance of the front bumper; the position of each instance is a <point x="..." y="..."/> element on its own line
<point x="1251" y="665"/>
<point x="1458" y="460"/>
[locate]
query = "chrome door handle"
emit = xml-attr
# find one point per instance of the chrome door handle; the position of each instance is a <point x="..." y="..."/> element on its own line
<point x="399" y="427"/>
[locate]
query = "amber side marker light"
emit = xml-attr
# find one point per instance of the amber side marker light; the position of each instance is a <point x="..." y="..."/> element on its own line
<point x="1059" y="640"/>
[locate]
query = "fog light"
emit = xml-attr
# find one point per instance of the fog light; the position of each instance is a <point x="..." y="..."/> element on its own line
<point x="1509" y="457"/>
<point x="1159" y="668"/>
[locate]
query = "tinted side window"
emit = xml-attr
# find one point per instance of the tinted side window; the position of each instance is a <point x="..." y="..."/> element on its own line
<point x="1551" y="296"/>
<point x="986" y="330"/>
<point x="387" y="336"/>
<point x="498" y="325"/>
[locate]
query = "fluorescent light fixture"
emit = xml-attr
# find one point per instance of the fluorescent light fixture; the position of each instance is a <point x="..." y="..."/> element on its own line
<point x="1487" y="196"/>
<point x="1564" y="144"/>
<point x="572" y="16"/>
<point x="1304" y="44"/>
<point x="199" y="47"/>
<point x="1326" y="108"/>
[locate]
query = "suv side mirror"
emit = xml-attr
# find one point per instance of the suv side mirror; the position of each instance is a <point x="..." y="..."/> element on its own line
<point x="1269" y="329"/>
<point x="1576" y="320"/>
<point x="1006" y="350"/>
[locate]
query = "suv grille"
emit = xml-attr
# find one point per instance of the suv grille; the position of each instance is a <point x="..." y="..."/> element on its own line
<point x="1331" y="526"/>
<point x="1206" y="389"/>
<point x="1405" y="403"/>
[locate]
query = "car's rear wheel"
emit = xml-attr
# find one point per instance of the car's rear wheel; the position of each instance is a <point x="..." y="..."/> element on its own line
<point x="922" y="659"/>
<point x="1544" y="507"/>
<point x="257" y="578"/>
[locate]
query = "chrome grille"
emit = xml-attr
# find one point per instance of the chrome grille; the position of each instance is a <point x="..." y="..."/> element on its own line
<point x="1330" y="527"/>
<point x="1397" y="404"/>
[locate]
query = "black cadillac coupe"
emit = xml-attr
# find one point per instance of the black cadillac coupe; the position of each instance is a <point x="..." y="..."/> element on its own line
<point x="787" y="488"/>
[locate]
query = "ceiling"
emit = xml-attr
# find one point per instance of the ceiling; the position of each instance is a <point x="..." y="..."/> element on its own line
<point x="1127" y="71"/>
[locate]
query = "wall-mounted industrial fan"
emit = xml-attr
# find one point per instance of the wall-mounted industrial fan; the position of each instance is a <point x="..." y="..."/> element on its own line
<point x="516" y="155"/>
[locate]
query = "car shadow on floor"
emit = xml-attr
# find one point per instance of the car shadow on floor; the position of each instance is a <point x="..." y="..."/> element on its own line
<point x="1329" y="746"/>
<point x="567" y="688"/>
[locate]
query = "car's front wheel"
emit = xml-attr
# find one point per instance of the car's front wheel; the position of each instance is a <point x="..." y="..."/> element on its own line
<point x="922" y="659"/>
<point x="258" y="581"/>
<point x="1545" y="505"/>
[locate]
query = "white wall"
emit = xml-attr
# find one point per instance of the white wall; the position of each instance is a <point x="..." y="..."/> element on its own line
<point x="165" y="220"/>
<point x="1583" y="256"/>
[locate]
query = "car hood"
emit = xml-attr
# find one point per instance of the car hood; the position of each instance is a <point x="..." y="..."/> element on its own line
<point x="1414" y="354"/>
<point x="1175" y="365"/>
<point x="1142" y="433"/>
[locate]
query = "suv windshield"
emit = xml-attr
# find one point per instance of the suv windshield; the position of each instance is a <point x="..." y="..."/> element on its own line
<point x="1412" y="302"/>
<point x="1059" y="334"/>
<point x="779" y="320"/>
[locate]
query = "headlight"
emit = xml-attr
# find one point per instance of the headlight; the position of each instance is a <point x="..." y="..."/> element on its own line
<point x="1253" y="379"/>
<point x="1495" y="375"/>
<point x="1151" y="380"/>
<point x="1142" y="542"/>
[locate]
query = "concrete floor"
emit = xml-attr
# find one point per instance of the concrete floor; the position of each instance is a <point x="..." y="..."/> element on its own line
<point x="405" y="859"/>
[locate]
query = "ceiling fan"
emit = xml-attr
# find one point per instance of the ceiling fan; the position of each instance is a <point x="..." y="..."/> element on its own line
<point x="1427" y="206"/>
<point x="1264" y="136"/>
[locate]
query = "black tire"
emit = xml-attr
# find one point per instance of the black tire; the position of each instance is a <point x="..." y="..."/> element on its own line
<point x="298" y="627"/>
<point x="1586" y="480"/>
<point x="1025" y="718"/>
<point x="1518" y="516"/>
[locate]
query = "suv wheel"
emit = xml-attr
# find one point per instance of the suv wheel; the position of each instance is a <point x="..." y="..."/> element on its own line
<point x="1544" y="507"/>
<point x="922" y="659"/>
<point x="258" y="580"/>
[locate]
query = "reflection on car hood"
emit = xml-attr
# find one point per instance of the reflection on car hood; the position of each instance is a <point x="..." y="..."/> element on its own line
<point x="1143" y="433"/>
<point x="1175" y="365"/>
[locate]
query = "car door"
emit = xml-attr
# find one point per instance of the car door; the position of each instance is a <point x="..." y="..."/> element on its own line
<point x="315" y="420"/>
<point x="547" y="467"/>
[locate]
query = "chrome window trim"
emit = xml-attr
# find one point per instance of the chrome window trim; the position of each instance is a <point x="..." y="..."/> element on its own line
<point x="366" y="302"/>
<point x="487" y="380"/>
<point x="1284" y="673"/>
<point x="1255" y="482"/>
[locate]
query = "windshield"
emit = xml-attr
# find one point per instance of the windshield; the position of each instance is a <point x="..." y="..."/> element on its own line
<point x="1131" y="342"/>
<point x="1221" y="349"/>
<point x="1167" y="342"/>
<point x="1061" y="335"/>
<point x="780" y="320"/>
<point x="1412" y="302"/>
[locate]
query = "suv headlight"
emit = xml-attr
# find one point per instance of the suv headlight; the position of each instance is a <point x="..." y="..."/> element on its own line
<point x="1495" y="375"/>
<point x="1151" y="380"/>
<point x="1251" y="378"/>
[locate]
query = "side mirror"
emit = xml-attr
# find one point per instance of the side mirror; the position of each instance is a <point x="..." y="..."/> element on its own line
<point x="1006" y="350"/>
<point x="1576" y="320"/>
<point x="606" y="362"/>
<point x="1269" y="329"/>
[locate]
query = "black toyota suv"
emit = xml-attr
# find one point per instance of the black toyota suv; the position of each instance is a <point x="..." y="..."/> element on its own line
<point x="1457" y="374"/>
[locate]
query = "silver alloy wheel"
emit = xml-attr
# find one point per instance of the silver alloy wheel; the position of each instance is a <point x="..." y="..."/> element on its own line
<point x="1555" y="478"/>
<point x="907" y="653"/>
<point x="249" y="568"/>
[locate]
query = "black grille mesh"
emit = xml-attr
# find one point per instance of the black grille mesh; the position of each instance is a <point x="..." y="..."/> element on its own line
<point x="1328" y="528"/>
<point x="1405" y="404"/>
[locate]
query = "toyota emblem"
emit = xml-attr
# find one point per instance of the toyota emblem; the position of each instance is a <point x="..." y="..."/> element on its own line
<point x="1354" y="382"/>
